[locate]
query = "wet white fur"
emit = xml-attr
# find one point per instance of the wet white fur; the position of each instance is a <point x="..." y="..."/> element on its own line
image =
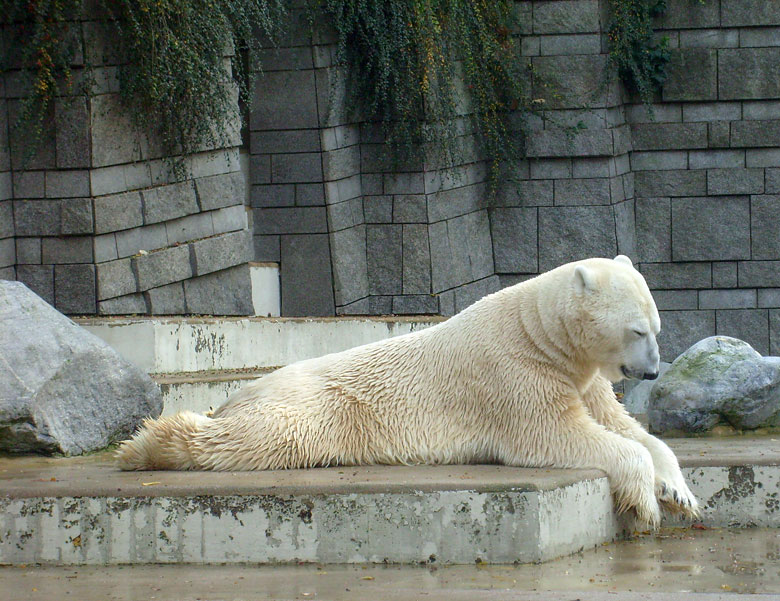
<point x="519" y="378"/>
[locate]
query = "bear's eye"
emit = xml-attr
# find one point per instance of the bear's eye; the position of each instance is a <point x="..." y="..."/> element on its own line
<point x="640" y="333"/>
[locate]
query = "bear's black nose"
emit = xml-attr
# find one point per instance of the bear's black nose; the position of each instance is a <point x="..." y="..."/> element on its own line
<point x="652" y="376"/>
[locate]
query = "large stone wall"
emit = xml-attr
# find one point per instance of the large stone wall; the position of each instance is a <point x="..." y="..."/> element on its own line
<point x="98" y="222"/>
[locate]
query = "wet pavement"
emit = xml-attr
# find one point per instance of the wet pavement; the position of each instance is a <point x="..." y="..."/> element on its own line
<point x="670" y="564"/>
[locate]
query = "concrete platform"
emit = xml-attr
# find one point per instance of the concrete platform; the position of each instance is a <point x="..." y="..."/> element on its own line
<point x="84" y="511"/>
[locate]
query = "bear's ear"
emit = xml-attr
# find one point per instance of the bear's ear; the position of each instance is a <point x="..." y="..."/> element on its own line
<point x="624" y="259"/>
<point x="584" y="279"/>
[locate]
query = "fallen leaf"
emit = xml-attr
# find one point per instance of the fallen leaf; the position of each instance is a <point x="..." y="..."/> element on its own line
<point x="699" y="527"/>
<point x="77" y="541"/>
<point x="367" y="578"/>
<point x="150" y="483"/>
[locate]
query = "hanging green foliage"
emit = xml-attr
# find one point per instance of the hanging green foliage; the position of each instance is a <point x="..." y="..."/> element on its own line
<point x="639" y="58"/>
<point x="431" y="70"/>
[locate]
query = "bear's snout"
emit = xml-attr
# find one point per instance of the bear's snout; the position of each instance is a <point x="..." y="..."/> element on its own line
<point x="650" y="376"/>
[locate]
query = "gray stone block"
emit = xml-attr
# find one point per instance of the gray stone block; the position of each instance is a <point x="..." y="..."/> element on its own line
<point x="670" y="183"/>
<point x="115" y="278"/>
<point x="104" y="248"/>
<point x="470" y="293"/>
<point x="22" y="157"/>
<point x="73" y="249"/>
<point x="273" y="196"/>
<point x="573" y="81"/>
<point x="292" y="140"/>
<point x="662" y="136"/>
<point x="716" y="159"/>
<point x="7" y="252"/>
<point x="671" y="276"/>
<point x="309" y="195"/>
<point x="221" y="252"/>
<point x="718" y="134"/>
<point x="454" y="202"/>
<point x="593" y="167"/>
<point x="404" y="183"/>
<point x="306" y="279"/>
<point x="736" y="13"/>
<point x="747" y="134"/>
<point x="284" y="100"/>
<point x="762" y="109"/>
<point x="378" y="209"/>
<point x="530" y="45"/>
<point x="527" y="193"/>
<point x="341" y="162"/>
<point x="114" y="138"/>
<point x="762" y="157"/>
<point x="29" y="184"/>
<point x="571" y="233"/>
<point x="163" y="267"/>
<point x="550" y="168"/>
<point x="267" y="248"/>
<point x="680" y="86"/>
<point x="76" y="216"/>
<point x="416" y="260"/>
<point x="711" y="229"/>
<point x="684" y="14"/>
<point x="380" y="305"/>
<point x="748" y="73"/>
<point x="118" y="212"/>
<point x="750" y="325"/>
<point x="765" y="36"/>
<point x="169" y="202"/>
<point x="229" y="219"/>
<point x="765" y="231"/>
<point x="594" y="191"/>
<point x="260" y="169"/>
<point x="564" y="143"/>
<point x="176" y="231"/>
<point x="712" y="111"/>
<point x="709" y="38"/>
<point x="515" y="244"/>
<point x="384" y="252"/>
<point x="74" y="289"/>
<point x="659" y="113"/>
<point x="130" y="304"/>
<point x="420" y="304"/>
<point x="147" y="238"/>
<point x="72" y="137"/>
<point x="293" y="220"/>
<point x="108" y="180"/>
<point x="568" y="45"/>
<point x="410" y="208"/>
<point x="372" y="184"/>
<point x="350" y="275"/>
<point x="625" y="228"/>
<point x="735" y="181"/>
<point x="297" y="168"/>
<point x="342" y="215"/>
<point x="769" y="298"/>
<point x="727" y="299"/>
<point x="682" y="329"/>
<point x="575" y="16"/>
<point x="772" y="181"/>
<point x="676" y="300"/>
<point x="37" y="217"/>
<point x="343" y="189"/>
<point x="724" y="274"/>
<point x="39" y="279"/>
<point x="759" y="274"/>
<point x="227" y="292"/>
<point x="28" y="251"/>
<point x="167" y="300"/>
<point x="659" y="161"/>
<point x="220" y="191"/>
<point x="461" y="250"/>
<point x="359" y="307"/>
<point x="774" y="333"/>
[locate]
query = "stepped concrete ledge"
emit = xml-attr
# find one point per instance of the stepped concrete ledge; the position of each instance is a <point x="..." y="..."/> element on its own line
<point x="190" y="344"/>
<point x="69" y="511"/>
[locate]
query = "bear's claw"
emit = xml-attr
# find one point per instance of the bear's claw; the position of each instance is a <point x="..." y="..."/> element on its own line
<point x="675" y="500"/>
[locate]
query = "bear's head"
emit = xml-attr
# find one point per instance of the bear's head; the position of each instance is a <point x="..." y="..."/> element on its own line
<point x="619" y="318"/>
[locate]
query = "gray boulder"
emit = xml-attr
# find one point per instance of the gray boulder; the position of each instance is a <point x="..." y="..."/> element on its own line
<point x="718" y="381"/>
<point x="63" y="389"/>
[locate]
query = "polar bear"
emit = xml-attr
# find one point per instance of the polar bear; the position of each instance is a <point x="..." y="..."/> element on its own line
<point x="521" y="377"/>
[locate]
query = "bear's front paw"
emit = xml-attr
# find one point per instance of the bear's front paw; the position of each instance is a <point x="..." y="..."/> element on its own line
<point x="675" y="497"/>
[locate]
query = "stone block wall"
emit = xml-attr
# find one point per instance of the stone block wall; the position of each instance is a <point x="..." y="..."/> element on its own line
<point x="707" y="176"/>
<point x="98" y="221"/>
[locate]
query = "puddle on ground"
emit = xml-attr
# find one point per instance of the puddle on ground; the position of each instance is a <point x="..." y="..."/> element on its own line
<point x="672" y="560"/>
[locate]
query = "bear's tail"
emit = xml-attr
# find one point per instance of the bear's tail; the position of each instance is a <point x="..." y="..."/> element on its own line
<point x="163" y="443"/>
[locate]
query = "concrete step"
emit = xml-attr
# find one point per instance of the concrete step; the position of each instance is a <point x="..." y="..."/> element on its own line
<point x="191" y="344"/>
<point x="67" y="511"/>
